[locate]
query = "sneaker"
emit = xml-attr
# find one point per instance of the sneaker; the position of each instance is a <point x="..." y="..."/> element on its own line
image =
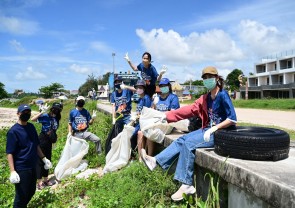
<point x="184" y="189"/>
<point x="149" y="161"/>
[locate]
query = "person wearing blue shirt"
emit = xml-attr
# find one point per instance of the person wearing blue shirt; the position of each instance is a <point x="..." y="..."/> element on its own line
<point x="148" y="72"/>
<point x="216" y="110"/>
<point x="48" y="136"/>
<point x="79" y="121"/>
<point x="144" y="101"/>
<point x="121" y="101"/>
<point x="23" y="150"/>
<point x="166" y="101"/>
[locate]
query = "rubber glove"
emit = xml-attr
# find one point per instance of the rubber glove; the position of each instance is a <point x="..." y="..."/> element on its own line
<point x="126" y="57"/>
<point x="156" y="100"/>
<point x="47" y="163"/>
<point x="94" y="114"/>
<point x="163" y="70"/>
<point x="114" y="120"/>
<point x="208" y="133"/>
<point x="44" y="108"/>
<point x="14" y="177"/>
<point x="123" y="86"/>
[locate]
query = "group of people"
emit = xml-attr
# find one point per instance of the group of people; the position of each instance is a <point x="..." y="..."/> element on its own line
<point x="29" y="154"/>
<point x="215" y="108"/>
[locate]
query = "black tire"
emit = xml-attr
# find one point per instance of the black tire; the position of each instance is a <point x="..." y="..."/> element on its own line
<point x="252" y="143"/>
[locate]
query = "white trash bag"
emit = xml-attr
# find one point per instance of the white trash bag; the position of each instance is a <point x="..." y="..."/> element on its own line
<point x="120" y="151"/>
<point x="70" y="161"/>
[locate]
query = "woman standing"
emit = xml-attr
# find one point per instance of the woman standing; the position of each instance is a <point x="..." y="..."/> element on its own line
<point x="216" y="111"/>
<point x="50" y="123"/>
<point x="148" y="72"/>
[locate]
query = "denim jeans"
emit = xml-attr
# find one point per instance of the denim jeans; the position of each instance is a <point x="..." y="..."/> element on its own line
<point x="25" y="189"/>
<point x="184" y="148"/>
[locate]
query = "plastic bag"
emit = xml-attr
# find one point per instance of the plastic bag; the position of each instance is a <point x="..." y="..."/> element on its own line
<point x="71" y="157"/>
<point x="120" y="151"/>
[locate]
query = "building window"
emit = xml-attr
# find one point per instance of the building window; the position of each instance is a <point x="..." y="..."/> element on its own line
<point x="267" y="81"/>
<point x="289" y="64"/>
<point x="281" y="80"/>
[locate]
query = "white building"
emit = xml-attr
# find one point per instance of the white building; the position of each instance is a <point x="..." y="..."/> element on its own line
<point x="273" y="77"/>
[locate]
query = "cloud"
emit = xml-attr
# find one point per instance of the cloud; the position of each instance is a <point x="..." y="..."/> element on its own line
<point x="100" y="46"/>
<point x="17" y="46"/>
<point x="263" y="39"/>
<point x="17" y="26"/>
<point x="78" y="69"/>
<point x="212" y="45"/>
<point x="30" y="74"/>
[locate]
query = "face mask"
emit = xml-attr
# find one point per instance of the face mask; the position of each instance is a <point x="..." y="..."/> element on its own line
<point x="80" y="103"/>
<point x="164" y="90"/>
<point x="25" y="116"/>
<point x="210" y="83"/>
<point x="139" y="91"/>
<point x="117" y="86"/>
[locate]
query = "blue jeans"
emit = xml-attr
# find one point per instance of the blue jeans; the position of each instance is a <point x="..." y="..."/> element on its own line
<point x="25" y="190"/>
<point x="184" y="148"/>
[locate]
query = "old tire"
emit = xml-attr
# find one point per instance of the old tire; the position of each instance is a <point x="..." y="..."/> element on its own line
<point x="252" y="143"/>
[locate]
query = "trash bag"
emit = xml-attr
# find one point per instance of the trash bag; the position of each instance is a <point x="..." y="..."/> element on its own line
<point x="115" y="130"/>
<point x="120" y="151"/>
<point x="71" y="157"/>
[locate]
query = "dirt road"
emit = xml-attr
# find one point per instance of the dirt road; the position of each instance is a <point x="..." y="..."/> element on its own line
<point x="284" y="119"/>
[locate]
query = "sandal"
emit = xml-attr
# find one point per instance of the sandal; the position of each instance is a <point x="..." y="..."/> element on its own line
<point x="49" y="183"/>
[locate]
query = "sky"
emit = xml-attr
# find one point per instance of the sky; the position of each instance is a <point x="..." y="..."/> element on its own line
<point x="65" y="41"/>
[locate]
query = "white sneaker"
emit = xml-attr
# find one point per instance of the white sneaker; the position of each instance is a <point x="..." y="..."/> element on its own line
<point x="149" y="161"/>
<point x="184" y="189"/>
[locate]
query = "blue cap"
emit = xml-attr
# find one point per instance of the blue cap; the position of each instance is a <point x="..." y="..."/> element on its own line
<point x="118" y="78"/>
<point x="140" y="82"/>
<point x="23" y="107"/>
<point x="164" y="81"/>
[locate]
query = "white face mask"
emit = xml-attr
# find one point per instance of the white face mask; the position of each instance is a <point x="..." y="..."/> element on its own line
<point x="139" y="91"/>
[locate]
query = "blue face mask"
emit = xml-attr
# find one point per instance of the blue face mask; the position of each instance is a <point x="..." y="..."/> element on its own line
<point x="209" y="83"/>
<point x="164" y="90"/>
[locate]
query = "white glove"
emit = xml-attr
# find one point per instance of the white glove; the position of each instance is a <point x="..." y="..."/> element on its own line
<point x="113" y="121"/>
<point x="14" y="177"/>
<point x="47" y="163"/>
<point x="156" y="100"/>
<point x="133" y="116"/>
<point x="123" y="86"/>
<point x="94" y="114"/>
<point x="163" y="70"/>
<point x="126" y="57"/>
<point x="44" y="108"/>
<point x="208" y="133"/>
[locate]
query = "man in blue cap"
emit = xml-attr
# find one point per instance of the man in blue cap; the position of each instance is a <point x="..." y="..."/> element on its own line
<point x="22" y="149"/>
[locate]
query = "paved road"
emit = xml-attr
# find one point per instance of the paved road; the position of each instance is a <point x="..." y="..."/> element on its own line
<point x="284" y="119"/>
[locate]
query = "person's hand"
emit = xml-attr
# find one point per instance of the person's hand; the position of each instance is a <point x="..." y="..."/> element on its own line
<point x="94" y="113"/>
<point x="123" y="86"/>
<point x="69" y="134"/>
<point x="47" y="163"/>
<point x="44" y="108"/>
<point x="114" y="120"/>
<point x="163" y="70"/>
<point x="156" y="100"/>
<point x="126" y="57"/>
<point x="14" y="177"/>
<point x="208" y="133"/>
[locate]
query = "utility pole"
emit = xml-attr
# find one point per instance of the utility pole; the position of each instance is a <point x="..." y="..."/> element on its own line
<point x="113" y="54"/>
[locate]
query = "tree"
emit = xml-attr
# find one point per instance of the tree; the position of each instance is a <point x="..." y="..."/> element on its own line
<point x="90" y="83"/>
<point x="104" y="79"/>
<point x="232" y="81"/>
<point x="3" y="93"/>
<point x="48" y="91"/>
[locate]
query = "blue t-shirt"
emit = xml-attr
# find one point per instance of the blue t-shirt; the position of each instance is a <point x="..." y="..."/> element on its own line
<point x="151" y="72"/>
<point x="220" y="109"/>
<point x="79" y="119"/>
<point x="122" y="100"/>
<point x="171" y="102"/>
<point x="22" y="142"/>
<point x="145" y="101"/>
<point x="48" y="121"/>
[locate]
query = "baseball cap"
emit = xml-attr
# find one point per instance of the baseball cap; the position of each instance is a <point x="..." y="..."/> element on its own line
<point x="80" y="98"/>
<point x="23" y="107"/>
<point x="164" y="81"/>
<point x="140" y="82"/>
<point x="209" y="70"/>
<point x="118" y="78"/>
<point x="57" y="106"/>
